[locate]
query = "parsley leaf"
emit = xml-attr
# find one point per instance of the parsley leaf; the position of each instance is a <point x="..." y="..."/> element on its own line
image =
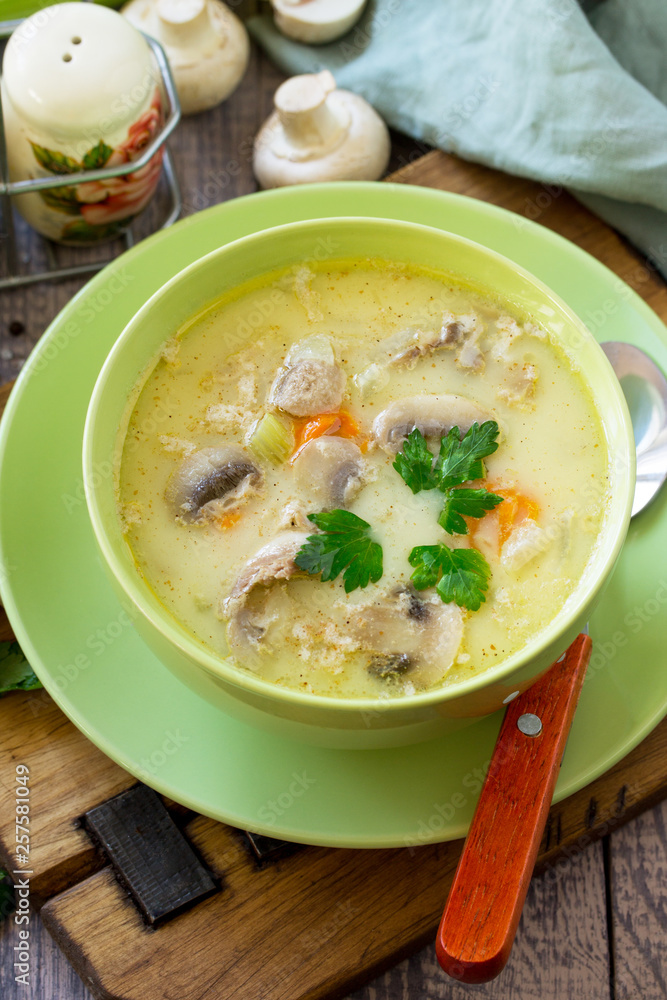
<point x="16" y="674"/>
<point x="468" y="502"/>
<point x="460" y="459"/>
<point x="344" y="544"/>
<point x="414" y="463"/>
<point x="460" y="575"/>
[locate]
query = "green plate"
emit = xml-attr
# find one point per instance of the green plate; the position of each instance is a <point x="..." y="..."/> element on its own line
<point x="82" y="643"/>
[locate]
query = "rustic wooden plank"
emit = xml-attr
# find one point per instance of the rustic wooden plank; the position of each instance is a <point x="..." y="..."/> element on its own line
<point x="51" y="976"/>
<point x="68" y="775"/>
<point x="638" y="884"/>
<point x="341" y="916"/>
<point x="561" y="949"/>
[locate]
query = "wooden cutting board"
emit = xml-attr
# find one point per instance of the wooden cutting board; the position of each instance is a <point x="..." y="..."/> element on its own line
<point x="316" y="922"/>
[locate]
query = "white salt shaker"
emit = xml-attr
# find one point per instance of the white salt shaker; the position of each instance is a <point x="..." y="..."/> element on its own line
<point x="81" y="90"/>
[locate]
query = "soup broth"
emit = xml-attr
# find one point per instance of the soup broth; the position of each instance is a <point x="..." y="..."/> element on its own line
<point x="294" y="397"/>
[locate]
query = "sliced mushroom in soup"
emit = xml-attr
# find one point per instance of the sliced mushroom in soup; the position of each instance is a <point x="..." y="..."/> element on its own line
<point x="305" y="496"/>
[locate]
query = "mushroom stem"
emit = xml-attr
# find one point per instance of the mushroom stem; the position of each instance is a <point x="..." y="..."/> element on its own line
<point x="309" y="121"/>
<point x="185" y="24"/>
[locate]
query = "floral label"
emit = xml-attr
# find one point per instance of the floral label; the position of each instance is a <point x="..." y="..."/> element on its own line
<point x="102" y="209"/>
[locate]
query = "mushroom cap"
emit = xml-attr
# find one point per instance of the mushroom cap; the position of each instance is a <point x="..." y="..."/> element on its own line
<point x="416" y="632"/>
<point x="246" y="624"/>
<point x="206" y="44"/>
<point x="274" y="561"/>
<point x="210" y="481"/>
<point x="316" y="21"/>
<point x="361" y="150"/>
<point x="433" y="415"/>
<point x="330" y="469"/>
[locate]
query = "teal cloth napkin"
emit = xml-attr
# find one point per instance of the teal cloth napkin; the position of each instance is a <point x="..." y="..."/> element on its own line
<point x="569" y="97"/>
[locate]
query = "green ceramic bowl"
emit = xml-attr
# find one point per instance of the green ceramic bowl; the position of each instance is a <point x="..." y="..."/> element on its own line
<point x="330" y="721"/>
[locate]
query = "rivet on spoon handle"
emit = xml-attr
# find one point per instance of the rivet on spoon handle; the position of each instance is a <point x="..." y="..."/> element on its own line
<point x="486" y="898"/>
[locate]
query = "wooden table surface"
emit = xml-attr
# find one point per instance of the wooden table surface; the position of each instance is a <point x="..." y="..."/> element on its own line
<point x="594" y="927"/>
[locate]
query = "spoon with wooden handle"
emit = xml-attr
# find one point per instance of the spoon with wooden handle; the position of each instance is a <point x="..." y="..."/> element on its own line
<point x="487" y="895"/>
<point x="486" y="898"/>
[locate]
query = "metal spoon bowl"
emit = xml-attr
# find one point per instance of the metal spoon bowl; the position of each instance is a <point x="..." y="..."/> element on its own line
<point x="645" y="390"/>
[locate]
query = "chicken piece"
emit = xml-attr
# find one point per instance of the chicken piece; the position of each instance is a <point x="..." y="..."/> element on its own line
<point x="507" y="331"/>
<point x="520" y="383"/>
<point x="309" y="387"/>
<point x="293" y="515"/>
<point x="462" y="333"/>
<point x="526" y="542"/>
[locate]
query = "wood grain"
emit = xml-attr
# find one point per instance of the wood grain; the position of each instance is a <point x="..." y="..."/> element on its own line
<point x="68" y="775"/>
<point x="638" y="887"/>
<point x="342" y="915"/>
<point x="561" y="949"/>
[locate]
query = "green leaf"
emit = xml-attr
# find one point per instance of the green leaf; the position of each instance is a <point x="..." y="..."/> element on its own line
<point x="343" y="545"/>
<point x="460" y="459"/>
<point x="55" y="162"/>
<point x="96" y="157"/>
<point x="81" y="231"/>
<point x="459" y="575"/>
<point x="7" y="900"/>
<point x="16" y="674"/>
<point x="466" y="502"/>
<point x="414" y="463"/>
<point x="62" y="199"/>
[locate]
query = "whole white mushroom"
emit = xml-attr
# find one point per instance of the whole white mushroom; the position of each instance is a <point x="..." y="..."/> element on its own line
<point x="319" y="133"/>
<point x="206" y="44"/>
<point x="316" y="21"/>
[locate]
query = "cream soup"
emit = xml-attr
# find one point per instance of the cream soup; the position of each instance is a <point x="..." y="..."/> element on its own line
<point x="294" y="397"/>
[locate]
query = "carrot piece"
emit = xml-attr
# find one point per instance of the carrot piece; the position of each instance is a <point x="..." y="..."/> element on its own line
<point x="314" y="427"/>
<point x="342" y="424"/>
<point x="516" y="507"/>
<point x="228" y="521"/>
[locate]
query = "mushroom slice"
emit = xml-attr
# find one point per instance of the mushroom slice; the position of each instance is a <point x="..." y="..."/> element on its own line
<point x="434" y="416"/>
<point x="247" y="619"/>
<point x="330" y="469"/>
<point x="274" y="561"/>
<point x="310" y="386"/>
<point x="210" y="481"/>
<point x="407" y="631"/>
<point x="389" y="665"/>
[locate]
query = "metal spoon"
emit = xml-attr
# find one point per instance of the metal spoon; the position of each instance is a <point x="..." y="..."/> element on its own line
<point x="645" y="390"/>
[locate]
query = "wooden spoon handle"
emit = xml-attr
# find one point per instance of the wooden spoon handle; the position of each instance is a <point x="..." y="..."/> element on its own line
<point x="486" y="898"/>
